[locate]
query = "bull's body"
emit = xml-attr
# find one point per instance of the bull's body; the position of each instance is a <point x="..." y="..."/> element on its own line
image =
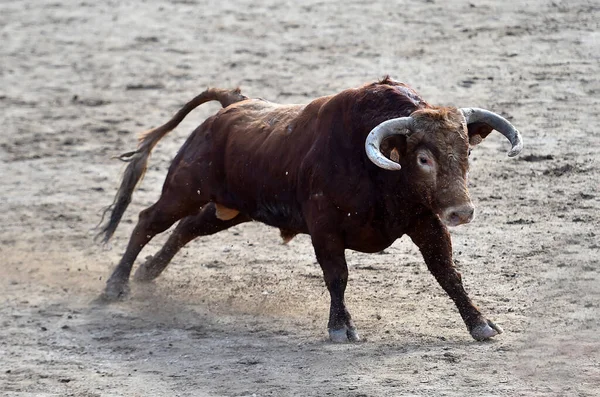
<point x="303" y="169"/>
<point x="271" y="162"/>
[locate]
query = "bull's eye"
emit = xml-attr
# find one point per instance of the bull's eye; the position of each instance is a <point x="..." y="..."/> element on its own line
<point x="469" y="152"/>
<point x="425" y="161"/>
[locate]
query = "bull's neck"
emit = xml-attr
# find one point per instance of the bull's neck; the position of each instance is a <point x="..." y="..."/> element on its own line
<point x="399" y="205"/>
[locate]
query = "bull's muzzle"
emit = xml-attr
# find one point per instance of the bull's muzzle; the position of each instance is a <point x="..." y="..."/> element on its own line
<point x="458" y="215"/>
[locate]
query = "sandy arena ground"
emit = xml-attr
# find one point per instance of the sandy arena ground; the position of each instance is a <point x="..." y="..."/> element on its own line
<point x="239" y="314"/>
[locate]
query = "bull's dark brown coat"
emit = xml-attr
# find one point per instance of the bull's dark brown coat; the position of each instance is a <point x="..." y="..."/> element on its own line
<point x="303" y="169"/>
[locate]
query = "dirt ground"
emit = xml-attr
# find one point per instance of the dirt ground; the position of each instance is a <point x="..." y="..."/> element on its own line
<point x="240" y="314"/>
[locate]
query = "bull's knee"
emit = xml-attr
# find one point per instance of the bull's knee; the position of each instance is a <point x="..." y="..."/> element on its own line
<point x="155" y="220"/>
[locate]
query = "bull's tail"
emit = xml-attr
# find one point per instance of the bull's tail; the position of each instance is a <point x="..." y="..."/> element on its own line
<point x="138" y="159"/>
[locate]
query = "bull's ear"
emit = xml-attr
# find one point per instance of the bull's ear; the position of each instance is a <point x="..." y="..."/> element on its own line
<point x="395" y="155"/>
<point x="392" y="147"/>
<point x="478" y="132"/>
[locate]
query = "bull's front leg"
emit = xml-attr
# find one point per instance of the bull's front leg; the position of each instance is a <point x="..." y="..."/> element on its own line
<point x="433" y="239"/>
<point x="329" y="250"/>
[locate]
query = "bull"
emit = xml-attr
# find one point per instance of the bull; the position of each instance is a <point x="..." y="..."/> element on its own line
<point x="356" y="170"/>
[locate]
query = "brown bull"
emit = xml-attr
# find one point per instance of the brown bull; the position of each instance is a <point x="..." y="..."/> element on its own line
<point x="356" y="170"/>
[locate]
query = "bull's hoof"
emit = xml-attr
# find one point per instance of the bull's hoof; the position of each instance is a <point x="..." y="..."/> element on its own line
<point x="485" y="331"/>
<point x="115" y="291"/>
<point x="344" y="335"/>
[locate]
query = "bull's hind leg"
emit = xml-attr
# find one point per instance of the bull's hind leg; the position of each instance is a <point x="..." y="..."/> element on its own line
<point x="204" y="223"/>
<point x="152" y="221"/>
<point x="433" y="239"/>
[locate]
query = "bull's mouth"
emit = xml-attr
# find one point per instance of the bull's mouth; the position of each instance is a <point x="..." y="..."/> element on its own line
<point x="454" y="216"/>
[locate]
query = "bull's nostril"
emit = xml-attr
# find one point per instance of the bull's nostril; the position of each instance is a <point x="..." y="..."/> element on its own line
<point x="454" y="217"/>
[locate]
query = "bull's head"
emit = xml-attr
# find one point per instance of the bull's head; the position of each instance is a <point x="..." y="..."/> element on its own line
<point x="436" y="154"/>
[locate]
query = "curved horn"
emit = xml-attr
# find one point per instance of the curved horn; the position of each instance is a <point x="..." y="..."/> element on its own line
<point x="399" y="126"/>
<point x="497" y="122"/>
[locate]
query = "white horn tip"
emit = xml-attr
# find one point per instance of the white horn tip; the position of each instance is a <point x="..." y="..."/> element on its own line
<point x="516" y="149"/>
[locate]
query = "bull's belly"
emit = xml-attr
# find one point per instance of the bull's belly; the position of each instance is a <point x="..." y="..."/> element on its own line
<point x="369" y="240"/>
<point x="279" y="214"/>
<point x="287" y="215"/>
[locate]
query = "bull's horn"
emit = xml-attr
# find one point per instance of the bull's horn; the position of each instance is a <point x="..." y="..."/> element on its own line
<point x="399" y="126"/>
<point x="497" y="122"/>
